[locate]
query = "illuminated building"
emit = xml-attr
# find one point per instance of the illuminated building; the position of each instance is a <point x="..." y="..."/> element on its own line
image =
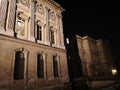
<point x="32" y="51"/>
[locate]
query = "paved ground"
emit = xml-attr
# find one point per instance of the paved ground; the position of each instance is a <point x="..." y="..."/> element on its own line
<point x="105" y="85"/>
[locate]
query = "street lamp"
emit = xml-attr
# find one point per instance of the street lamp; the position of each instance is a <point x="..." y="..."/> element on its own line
<point x="114" y="71"/>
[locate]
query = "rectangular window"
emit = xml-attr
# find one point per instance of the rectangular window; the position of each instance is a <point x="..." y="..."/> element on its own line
<point x="39" y="32"/>
<point x="21" y="27"/>
<point x="19" y="65"/>
<point x="40" y="66"/>
<point x="55" y="66"/>
<point x="52" y="37"/>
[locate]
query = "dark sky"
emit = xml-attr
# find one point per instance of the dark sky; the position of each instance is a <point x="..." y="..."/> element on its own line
<point x="99" y="19"/>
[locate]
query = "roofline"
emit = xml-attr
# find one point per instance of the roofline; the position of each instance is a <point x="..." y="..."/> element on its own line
<point x="56" y="4"/>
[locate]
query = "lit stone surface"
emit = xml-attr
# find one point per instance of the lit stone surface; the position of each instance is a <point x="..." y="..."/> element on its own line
<point x="3" y="8"/>
<point x="20" y="65"/>
<point x="93" y="54"/>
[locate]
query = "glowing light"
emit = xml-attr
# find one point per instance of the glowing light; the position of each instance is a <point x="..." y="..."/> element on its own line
<point x="114" y="71"/>
<point x="67" y="40"/>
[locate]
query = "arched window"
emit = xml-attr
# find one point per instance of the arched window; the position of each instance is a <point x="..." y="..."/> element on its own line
<point x="19" y="65"/>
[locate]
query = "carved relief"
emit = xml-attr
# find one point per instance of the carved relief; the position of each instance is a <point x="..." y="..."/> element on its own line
<point x="40" y="9"/>
<point x="25" y="2"/>
<point x="52" y="16"/>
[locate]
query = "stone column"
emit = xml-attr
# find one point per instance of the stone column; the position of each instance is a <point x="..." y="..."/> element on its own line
<point x="43" y="40"/>
<point x="61" y="33"/>
<point x="58" y="41"/>
<point x="3" y="12"/>
<point x="47" y="32"/>
<point x="59" y="66"/>
<point x="43" y="33"/>
<point x="32" y="21"/>
<point x="45" y="65"/>
<point x="11" y="18"/>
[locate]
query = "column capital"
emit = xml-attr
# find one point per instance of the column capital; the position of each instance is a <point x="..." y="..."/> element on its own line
<point x="33" y="0"/>
<point x="59" y="15"/>
<point x="47" y="8"/>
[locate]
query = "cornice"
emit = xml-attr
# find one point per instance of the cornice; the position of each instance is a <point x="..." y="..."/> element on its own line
<point x="30" y="43"/>
<point x="55" y="4"/>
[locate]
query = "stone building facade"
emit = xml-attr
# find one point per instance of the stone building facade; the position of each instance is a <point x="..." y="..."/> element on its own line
<point x="88" y="57"/>
<point x="32" y="51"/>
<point x="96" y="57"/>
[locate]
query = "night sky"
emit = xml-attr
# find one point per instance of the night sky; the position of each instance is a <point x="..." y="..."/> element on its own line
<point x="98" y="19"/>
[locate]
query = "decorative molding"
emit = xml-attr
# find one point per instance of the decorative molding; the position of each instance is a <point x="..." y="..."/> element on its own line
<point x="38" y="22"/>
<point x="40" y="9"/>
<point x="30" y="43"/>
<point x="52" y="16"/>
<point x="25" y="2"/>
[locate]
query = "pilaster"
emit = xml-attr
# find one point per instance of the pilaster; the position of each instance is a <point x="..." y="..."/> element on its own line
<point x="61" y="33"/>
<point x="58" y="32"/>
<point x="43" y="33"/>
<point x="32" y="27"/>
<point x="11" y="18"/>
<point x="47" y="34"/>
<point x="3" y="12"/>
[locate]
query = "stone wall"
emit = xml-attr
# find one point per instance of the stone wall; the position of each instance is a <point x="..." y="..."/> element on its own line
<point x="9" y="45"/>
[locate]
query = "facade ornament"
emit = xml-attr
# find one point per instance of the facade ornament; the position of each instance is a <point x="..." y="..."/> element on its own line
<point x="38" y="21"/>
<point x="25" y="2"/>
<point x="52" y="16"/>
<point x="40" y="9"/>
<point x="18" y="13"/>
<point x="33" y="0"/>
